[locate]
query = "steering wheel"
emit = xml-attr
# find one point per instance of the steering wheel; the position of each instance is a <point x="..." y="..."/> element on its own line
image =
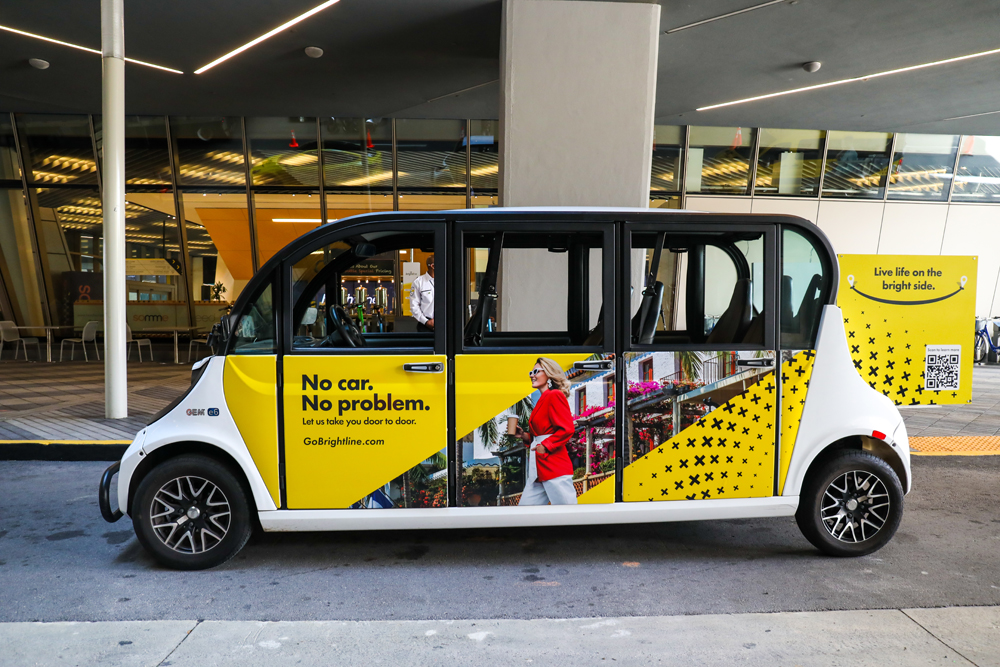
<point x="348" y="328"/>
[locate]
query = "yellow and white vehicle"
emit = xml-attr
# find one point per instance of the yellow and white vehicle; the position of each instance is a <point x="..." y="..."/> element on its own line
<point x="708" y="374"/>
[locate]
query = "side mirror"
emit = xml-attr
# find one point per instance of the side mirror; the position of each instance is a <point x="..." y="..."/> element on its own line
<point x="364" y="250"/>
<point x="220" y="333"/>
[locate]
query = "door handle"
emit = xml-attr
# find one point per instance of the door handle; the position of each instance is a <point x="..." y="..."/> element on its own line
<point x="434" y="367"/>
<point x="605" y="365"/>
<point x="755" y="363"/>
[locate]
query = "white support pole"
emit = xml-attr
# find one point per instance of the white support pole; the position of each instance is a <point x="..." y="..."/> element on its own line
<point x="113" y="131"/>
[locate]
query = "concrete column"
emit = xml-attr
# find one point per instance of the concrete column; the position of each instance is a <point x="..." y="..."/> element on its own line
<point x="578" y="83"/>
<point x="113" y="130"/>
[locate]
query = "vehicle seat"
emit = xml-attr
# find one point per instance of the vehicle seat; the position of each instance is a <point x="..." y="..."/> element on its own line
<point x="647" y="315"/>
<point x="733" y="324"/>
<point x="787" y="316"/>
<point x="755" y="334"/>
<point x="596" y="335"/>
<point x="809" y="309"/>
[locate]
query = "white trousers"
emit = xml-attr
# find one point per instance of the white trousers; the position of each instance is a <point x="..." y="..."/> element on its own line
<point x="558" y="491"/>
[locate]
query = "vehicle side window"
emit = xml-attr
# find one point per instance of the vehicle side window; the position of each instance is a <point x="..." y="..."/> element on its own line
<point x="254" y="333"/>
<point x="697" y="288"/>
<point x="533" y="289"/>
<point x="804" y="283"/>
<point x="371" y="290"/>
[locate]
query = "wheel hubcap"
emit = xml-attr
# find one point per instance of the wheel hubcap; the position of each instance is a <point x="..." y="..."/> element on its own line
<point x="855" y="506"/>
<point x="190" y="515"/>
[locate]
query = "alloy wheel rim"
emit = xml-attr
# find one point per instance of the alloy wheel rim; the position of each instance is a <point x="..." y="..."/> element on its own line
<point x="855" y="506"/>
<point x="190" y="515"/>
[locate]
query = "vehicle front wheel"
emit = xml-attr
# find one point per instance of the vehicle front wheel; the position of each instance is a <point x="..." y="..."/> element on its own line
<point x="191" y="513"/>
<point x="851" y="505"/>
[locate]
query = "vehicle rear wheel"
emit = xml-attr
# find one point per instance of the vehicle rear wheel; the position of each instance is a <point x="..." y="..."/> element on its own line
<point x="851" y="505"/>
<point x="191" y="513"/>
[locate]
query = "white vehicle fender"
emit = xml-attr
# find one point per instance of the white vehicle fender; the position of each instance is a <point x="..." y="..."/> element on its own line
<point x="202" y="427"/>
<point x="840" y="404"/>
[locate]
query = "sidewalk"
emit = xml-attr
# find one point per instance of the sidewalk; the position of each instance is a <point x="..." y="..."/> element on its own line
<point x="42" y="402"/>
<point x="944" y="636"/>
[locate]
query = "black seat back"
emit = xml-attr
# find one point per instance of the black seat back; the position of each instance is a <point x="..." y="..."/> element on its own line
<point x="733" y="324"/>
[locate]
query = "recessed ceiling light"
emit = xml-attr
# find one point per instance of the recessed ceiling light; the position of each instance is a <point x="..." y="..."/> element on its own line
<point x="314" y="52"/>
<point x="812" y="66"/>
<point x="83" y="48"/>
<point x="38" y="63"/>
<point x="852" y="80"/>
<point x="266" y="35"/>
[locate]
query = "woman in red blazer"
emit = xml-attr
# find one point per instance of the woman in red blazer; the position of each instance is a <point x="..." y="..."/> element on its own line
<point x="550" y="472"/>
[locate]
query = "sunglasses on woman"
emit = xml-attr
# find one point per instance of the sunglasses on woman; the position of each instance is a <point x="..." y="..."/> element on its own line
<point x="535" y="371"/>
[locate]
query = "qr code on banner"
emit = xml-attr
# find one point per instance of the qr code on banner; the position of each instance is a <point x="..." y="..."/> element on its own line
<point x="941" y="369"/>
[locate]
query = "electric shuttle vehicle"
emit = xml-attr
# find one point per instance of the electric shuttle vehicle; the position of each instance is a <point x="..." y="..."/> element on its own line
<point x="382" y="372"/>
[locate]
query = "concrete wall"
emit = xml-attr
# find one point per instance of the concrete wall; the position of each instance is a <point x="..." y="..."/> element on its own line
<point x="892" y="228"/>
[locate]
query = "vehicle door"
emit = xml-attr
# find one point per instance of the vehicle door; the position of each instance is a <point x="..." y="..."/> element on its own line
<point x="702" y="406"/>
<point x="524" y="291"/>
<point x="365" y="379"/>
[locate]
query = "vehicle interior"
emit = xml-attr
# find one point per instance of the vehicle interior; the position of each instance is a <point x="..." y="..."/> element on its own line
<point x="533" y="290"/>
<point x="326" y="316"/>
<point x="698" y="288"/>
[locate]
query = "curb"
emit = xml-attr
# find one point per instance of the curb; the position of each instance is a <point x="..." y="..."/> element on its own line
<point x="62" y="450"/>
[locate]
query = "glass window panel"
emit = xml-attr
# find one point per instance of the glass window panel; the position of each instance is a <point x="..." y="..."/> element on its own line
<point x="856" y="164"/>
<point x="71" y="242"/>
<point x="668" y="142"/>
<point x="731" y="266"/>
<point x="218" y="238"/>
<point x="17" y="261"/>
<point x="922" y="166"/>
<point x="424" y="202"/>
<point x="8" y="151"/>
<point x="521" y="314"/>
<point x="283" y="151"/>
<point x="147" y="158"/>
<point x="802" y="289"/>
<point x="788" y="162"/>
<point x="485" y="157"/>
<point x="57" y="149"/>
<point x="718" y="160"/>
<point x="357" y="156"/>
<point x="485" y="201"/>
<point x="209" y="150"/>
<point x="282" y="218"/>
<point x="431" y="155"/>
<point x="153" y="264"/>
<point x="255" y="331"/>
<point x="978" y="177"/>
<point x="377" y="293"/>
<point x="661" y="201"/>
<point x="344" y="206"/>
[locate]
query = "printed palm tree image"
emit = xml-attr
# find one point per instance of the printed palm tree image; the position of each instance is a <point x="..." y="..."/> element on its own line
<point x="489" y="432"/>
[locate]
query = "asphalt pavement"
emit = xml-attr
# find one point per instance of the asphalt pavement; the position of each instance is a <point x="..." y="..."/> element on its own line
<point x="59" y="561"/>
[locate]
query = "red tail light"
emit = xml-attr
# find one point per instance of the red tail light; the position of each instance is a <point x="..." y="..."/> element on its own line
<point x="878" y="434"/>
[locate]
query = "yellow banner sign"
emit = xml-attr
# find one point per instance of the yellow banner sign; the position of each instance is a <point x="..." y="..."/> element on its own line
<point x="910" y="323"/>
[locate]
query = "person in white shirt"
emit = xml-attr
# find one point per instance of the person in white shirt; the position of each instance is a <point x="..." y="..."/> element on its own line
<point x="422" y="298"/>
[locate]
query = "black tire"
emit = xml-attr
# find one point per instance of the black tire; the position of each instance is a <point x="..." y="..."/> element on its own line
<point x="853" y="521"/>
<point x="191" y="513"/>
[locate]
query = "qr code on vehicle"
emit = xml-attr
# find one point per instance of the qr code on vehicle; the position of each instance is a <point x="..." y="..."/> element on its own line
<point x="941" y="367"/>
